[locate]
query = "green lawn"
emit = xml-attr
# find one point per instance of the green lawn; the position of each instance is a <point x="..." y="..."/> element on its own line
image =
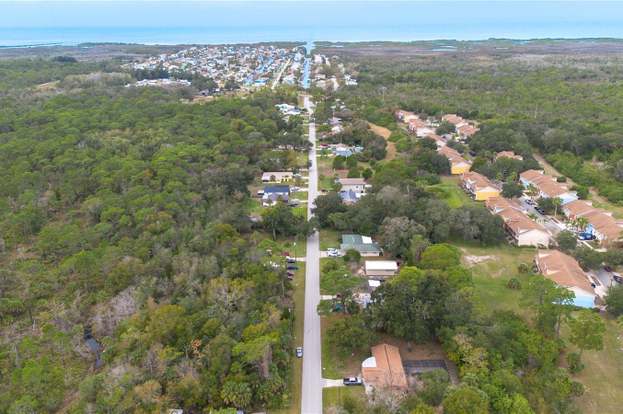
<point x="603" y="375"/>
<point x="492" y="267"/>
<point x="333" y="366"/>
<point x="334" y="397"/>
<point x="330" y="238"/>
<point x="300" y="195"/>
<point x="448" y="190"/>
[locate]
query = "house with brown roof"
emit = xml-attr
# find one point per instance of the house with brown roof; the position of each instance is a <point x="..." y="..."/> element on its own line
<point x="466" y="131"/>
<point x="479" y="186"/>
<point x="565" y="271"/>
<point x="454" y="119"/>
<point x="458" y="164"/>
<point x="547" y="186"/>
<point x="508" y="154"/>
<point x="439" y="140"/>
<point x="601" y="223"/>
<point x="520" y="228"/>
<point x="384" y="370"/>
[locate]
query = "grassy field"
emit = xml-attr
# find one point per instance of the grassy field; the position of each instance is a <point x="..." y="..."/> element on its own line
<point x="333" y="366"/>
<point x="450" y="191"/>
<point x="329" y="238"/>
<point x="492" y="267"/>
<point x="603" y="375"/>
<point x="384" y="133"/>
<point x="334" y="397"/>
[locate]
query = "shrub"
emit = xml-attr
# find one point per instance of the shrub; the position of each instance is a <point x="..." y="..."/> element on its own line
<point x="513" y="283"/>
<point x="523" y="268"/>
<point x="575" y="362"/>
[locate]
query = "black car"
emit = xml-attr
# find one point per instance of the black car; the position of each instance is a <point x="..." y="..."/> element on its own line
<point x="352" y="381"/>
<point x="292" y="267"/>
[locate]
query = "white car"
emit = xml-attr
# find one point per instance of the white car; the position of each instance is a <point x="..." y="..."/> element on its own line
<point x="333" y="252"/>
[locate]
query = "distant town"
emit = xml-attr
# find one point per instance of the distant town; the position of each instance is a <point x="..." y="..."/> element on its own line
<point x="217" y="69"/>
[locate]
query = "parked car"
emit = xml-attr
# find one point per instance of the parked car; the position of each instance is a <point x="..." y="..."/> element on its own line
<point x="540" y="210"/>
<point x="333" y="252"/>
<point x="292" y="267"/>
<point x="352" y="381"/>
<point x="608" y="269"/>
<point x="530" y="201"/>
<point x="586" y="236"/>
<point x="290" y="259"/>
<point x="617" y="278"/>
<point x="299" y="352"/>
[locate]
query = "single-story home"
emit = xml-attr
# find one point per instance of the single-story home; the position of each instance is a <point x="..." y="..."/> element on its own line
<point x="520" y="228"/>
<point x="349" y="197"/>
<point x="380" y="268"/>
<point x="273" y="193"/>
<point x="565" y="271"/>
<point x="479" y="186"/>
<point x="547" y="185"/>
<point x="357" y="185"/>
<point x="277" y="176"/>
<point x="363" y="244"/>
<point x="383" y="371"/>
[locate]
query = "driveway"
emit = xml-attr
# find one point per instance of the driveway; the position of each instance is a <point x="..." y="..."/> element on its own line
<point x="311" y="402"/>
<point x="552" y="226"/>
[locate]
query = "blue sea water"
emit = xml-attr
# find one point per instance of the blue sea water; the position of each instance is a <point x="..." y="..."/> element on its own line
<point x="163" y="22"/>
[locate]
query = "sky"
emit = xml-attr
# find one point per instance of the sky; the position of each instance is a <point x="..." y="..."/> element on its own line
<point x="170" y="22"/>
<point x="235" y="13"/>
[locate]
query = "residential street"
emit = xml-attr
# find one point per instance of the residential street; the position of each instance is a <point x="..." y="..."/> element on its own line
<point x="311" y="402"/>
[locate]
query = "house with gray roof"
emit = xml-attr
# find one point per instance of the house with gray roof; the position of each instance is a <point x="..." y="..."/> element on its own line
<point x="363" y="244"/>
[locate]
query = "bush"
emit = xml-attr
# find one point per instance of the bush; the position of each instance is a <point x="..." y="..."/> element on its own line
<point x="575" y="363"/>
<point x="513" y="283"/>
<point x="435" y="384"/>
<point x="614" y="300"/>
<point x="352" y="256"/>
<point x="566" y="240"/>
<point x="523" y="268"/>
<point x="561" y="179"/>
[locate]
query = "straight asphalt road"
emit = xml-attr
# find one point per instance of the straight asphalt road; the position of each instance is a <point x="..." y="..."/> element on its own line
<point x="311" y="402"/>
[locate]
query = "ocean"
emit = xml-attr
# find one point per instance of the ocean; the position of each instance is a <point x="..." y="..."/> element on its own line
<point x="213" y="22"/>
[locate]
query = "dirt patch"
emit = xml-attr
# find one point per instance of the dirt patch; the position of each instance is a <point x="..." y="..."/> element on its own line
<point x="384" y="133"/>
<point x="471" y="260"/>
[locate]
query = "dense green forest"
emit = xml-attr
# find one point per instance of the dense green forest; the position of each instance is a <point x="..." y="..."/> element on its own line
<point x="131" y="278"/>
<point x="565" y="107"/>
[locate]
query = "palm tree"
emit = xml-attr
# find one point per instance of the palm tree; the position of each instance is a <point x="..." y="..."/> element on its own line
<point x="532" y="191"/>
<point x="556" y="202"/>
<point x="581" y="223"/>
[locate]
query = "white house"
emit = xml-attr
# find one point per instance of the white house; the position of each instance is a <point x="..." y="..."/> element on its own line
<point x="380" y="268"/>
